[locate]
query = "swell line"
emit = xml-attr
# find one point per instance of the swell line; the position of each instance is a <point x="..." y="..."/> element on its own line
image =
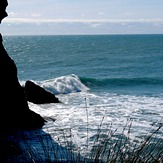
<point x="122" y="81"/>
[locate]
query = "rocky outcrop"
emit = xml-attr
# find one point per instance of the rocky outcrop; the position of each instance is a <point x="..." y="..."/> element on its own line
<point x="3" y="12"/>
<point x="15" y="112"/>
<point x="38" y="95"/>
<point x="14" y="109"/>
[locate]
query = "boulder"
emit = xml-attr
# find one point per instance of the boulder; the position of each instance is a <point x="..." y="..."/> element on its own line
<point x="38" y="95"/>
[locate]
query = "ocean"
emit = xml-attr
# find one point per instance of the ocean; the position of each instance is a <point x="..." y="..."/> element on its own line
<point x="102" y="81"/>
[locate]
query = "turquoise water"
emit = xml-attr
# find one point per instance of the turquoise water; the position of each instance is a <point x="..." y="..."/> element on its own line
<point x="105" y="62"/>
<point x="116" y="77"/>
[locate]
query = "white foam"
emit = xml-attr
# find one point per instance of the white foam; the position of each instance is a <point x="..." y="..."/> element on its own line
<point x="112" y="110"/>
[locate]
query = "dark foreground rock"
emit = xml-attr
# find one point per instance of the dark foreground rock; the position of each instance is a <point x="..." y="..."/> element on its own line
<point x="14" y="109"/>
<point x="15" y="112"/>
<point x="38" y="95"/>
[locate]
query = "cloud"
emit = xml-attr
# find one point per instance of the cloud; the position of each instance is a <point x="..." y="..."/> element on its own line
<point x="36" y="15"/>
<point x="36" y="25"/>
<point x="95" y="25"/>
<point x="13" y="14"/>
<point x="31" y="20"/>
<point x="100" y="13"/>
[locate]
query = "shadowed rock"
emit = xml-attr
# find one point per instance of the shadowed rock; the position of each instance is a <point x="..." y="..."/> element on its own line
<point x="3" y="12"/>
<point x="38" y="95"/>
<point x="15" y="112"/>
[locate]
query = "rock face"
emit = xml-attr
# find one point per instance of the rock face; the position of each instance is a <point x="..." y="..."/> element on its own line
<point x="38" y="95"/>
<point x="3" y="12"/>
<point x="14" y="109"/>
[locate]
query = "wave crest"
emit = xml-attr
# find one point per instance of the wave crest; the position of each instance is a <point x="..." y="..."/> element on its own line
<point x="64" y="85"/>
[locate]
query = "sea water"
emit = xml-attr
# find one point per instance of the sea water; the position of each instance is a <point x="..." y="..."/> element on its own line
<point x="101" y="80"/>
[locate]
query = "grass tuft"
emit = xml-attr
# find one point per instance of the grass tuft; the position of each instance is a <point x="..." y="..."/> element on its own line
<point x="108" y="147"/>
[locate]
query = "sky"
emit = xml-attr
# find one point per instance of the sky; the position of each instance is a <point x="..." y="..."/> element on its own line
<point x="71" y="17"/>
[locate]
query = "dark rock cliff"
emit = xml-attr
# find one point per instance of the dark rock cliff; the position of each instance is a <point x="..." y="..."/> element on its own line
<point x="15" y="112"/>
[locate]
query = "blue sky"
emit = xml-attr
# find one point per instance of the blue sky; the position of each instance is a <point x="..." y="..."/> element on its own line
<point x="59" y="17"/>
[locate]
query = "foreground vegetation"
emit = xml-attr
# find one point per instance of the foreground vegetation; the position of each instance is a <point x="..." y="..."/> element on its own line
<point x="108" y="146"/>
